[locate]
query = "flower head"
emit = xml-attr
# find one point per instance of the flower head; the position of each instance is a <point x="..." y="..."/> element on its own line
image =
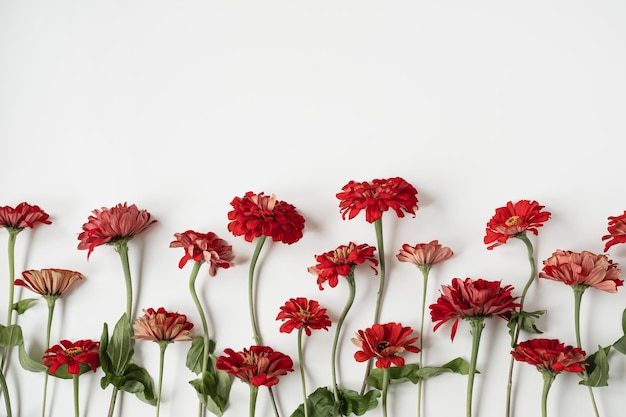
<point x="584" y="268"/>
<point x="73" y="354"/>
<point x="617" y="231"/>
<point x="469" y="298"/>
<point x="111" y="225"/>
<point x="300" y="313"/>
<point x="424" y="255"/>
<point x="204" y="247"/>
<point x="22" y="216"/>
<point x="50" y="282"/>
<point x="514" y="219"/>
<point x="258" y="366"/>
<point x="376" y="197"/>
<point x="384" y="342"/>
<point x="550" y="355"/>
<point x="162" y="326"/>
<point x="255" y="215"/>
<point x="341" y="262"/>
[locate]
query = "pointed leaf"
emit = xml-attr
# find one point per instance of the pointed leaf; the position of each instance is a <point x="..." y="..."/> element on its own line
<point x="121" y="346"/>
<point x="353" y="403"/>
<point x="195" y="355"/>
<point x="29" y="363"/>
<point x="320" y="403"/>
<point x="23" y="305"/>
<point x="620" y="345"/>
<point x="597" y="368"/>
<point x="139" y="382"/>
<point x="11" y="335"/>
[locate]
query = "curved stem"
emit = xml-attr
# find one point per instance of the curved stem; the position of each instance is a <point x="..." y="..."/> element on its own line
<point x="205" y="326"/>
<point x="548" y="378"/>
<point x="121" y="247"/>
<point x="11" y="252"/>
<point x="51" y="300"/>
<point x="253" y="261"/>
<point x="385" y="390"/>
<point x="302" y="375"/>
<point x="112" y="402"/>
<point x="477" y="324"/>
<point x="254" y="391"/>
<point x="425" y="269"/>
<point x="76" y="406"/>
<point x="162" y="345"/>
<point x="5" y="393"/>
<point x="344" y="313"/>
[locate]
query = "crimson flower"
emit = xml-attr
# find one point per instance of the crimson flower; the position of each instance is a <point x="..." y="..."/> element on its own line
<point x="111" y="225"/>
<point x="73" y="354"/>
<point x="255" y="215"/>
<point x="384" y="342"/>
<point x="376" y="197"/>
<point x="550" y="355"/>
<point x="424" y="255"/>
<point x="469" y="298"/>
<point x="617" y="231"/>
<point x="300" y="313"/>
<point x="514" y="219"/>
<point x="341" y="261"/>
<point x="257" y="366"/>
<point x="22" y="216"/>
<point x="162" y="326"/>
<point x="51" y="282"/>
<point x="584" y="268"/>
<point x="204" y="247"/>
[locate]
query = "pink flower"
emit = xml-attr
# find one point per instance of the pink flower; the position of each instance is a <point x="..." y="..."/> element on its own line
<point x="617" y="231"/>
<point x="424" y="254"/>
<point x="22" y="216"/>
<point x="49" y="282"/>
<point x="204" y="247"/>
<point x="162" y="326"/>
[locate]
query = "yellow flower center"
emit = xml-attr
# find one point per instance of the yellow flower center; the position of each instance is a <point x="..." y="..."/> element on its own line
<point x="511" y="221"/>
<point x="73" y="351"/>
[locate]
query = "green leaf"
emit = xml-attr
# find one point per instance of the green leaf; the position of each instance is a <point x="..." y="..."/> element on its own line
<point x="620" y="345"/>
<point x="397" y="374"/>
<point x="62" y="373"/>
<point x="624" y="321"/>
<point x="213" y="389"/>
<point x="525" y="320"/>
<point x="320" y="403"/>
<point x="456" y="365"/>
<point x="353" y="403"/>
<point x="23" y="305"/>
<point x="195" y="355"/>
<point x="121" y="346"/>
<point x="29" y="363"/>
<point x="11" y="335"/>
<point x="139" y="382"/>
<point x="597" y="368"/>
<point x="105" y="361"/>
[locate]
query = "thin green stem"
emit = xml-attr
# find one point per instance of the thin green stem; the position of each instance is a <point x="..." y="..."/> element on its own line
<point x="76" y="396"/>
<point x="344" y="313"/>
<point x="5" y="393"/>
<point x="253" y="261"/>
<point x="51" y="300"/>
<point x="425" y="269"/>
<point x="302" y="373"/>
<point x="162" y="345"/>
<point x="548" y="378"/>
<point x="121" y="247"/>
<point x="477" y="324"/>
<point x="205" y="326"/>
<point x="13" y="232"/>
<point x="254" y="391"/>
<point x="112" y="402"/>
<point x="385" y="390"/>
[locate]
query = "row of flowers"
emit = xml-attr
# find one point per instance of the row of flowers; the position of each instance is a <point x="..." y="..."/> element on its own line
<point x="382" y="347"/>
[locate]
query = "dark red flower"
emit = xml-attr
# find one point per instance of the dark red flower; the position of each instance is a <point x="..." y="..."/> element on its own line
<point x="376" y="197"/>
<point x="472" y="298"/>
<point x="258" y="366"/>
<point x="617" y="231"/>
<point x="550" y="355"/>
<point x="514" y="219"/>
<point x="255" y="215"/>
<point x="73" y="355"/>
<point x="341" y="261"/>
<point x="204" y="247"/>
<point x="300" y="313"/>
<point x="22" y="216"/>
<point x="162" y="326"/>
<point x="110" y="225"/>
<point x="384" y="342"/>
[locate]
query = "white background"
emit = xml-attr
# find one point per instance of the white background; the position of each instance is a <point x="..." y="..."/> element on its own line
<point x="180" y="106"/>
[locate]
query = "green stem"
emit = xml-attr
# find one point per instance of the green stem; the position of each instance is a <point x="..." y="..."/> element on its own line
<point x="548" y="378"/>
<point x="425" y="269"/>
<point x="162" y="345"/>
<point x="121" y="247"/>
<point x="477" y="324"/>
<point x="254" y="391"/>
<point x="385" y="390"/>
<point x="253" y="261"/>
<point x="205" y="326"/>
<point x="5" y="393"/>
<point x="76" y="396"/>
<point x="302" y="375"/>
<point x="112" y="402"/>
<point x="11" y="252"/>
<point x="344" y="313"/>
<point x="51" y="300"/>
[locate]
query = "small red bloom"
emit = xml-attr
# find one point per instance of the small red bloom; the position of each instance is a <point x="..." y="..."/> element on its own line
<point x="73" y="354"/>
<point x="424" y="254"/>
<point x="255" y="215"/>
<point x="110" y="225"/>
<point x="161" y="325"/>
<point x="300" y="313"/>
<point x="550" y="355"/>
<point x="584" y="268"/>
<point x="467" y="299"/>
<point x="341" y="261"/>
<point x="49" y="282"/>
<point x="514" y="219"/>
<point x="617" y="231"/>
<point x="384" y="342"/>
<point x="376" y="197"/>
<point x="258" y="366"/>
<point x="204" y="247"/>
<point x="22" y="216"/>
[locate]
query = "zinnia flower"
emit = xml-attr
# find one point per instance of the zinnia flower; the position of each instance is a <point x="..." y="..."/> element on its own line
<point x="341" y="261"/>
<point x="376" y="197"/>
<point x="110" y="225"/>
<point x="73" y="354"/>
<point x="469" y="298"/>
<point x="550" y="355"/>
<point x="584" y="268"/>
<point x="49" y="282"/>
<point x="257" y="366"/>
<point x="300" y="313"/>
<point x="255" y="215"/>
<point x="204" y="247"/>
<point x="22" y="216"/>
<point x="162" y="326"/>
<point x="424" y="255"/>
<point x="514" y="219"/>
<point x="384" y="342"/>
<point x="617" y="231"/>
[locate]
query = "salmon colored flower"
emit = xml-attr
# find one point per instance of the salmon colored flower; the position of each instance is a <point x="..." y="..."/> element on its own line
<point x="301" y="313"/>
<point x="162" y="326"/>
<point x="617" y="231"/>
<point x="111" y="225"/>
<point x="468" y="298"/>
<point x="376" y="197"/>
<point x="204" y="247"/>
<point x="257" y="366"/>
<point x="384" y="342"/>
<point x="255" y="215"/>
<point x="341" y="261"/>
<point x="22" y="216"/>
<point x="50" y="282"/>
<point x="424" y="255"/>
<point x="73" y="354"/>
<point x="550" y="355"/>
<point x="514" y="219"/>
<point x="584" y="268"/>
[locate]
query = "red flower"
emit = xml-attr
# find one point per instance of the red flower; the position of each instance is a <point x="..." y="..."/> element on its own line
<point x="341" y="261"/>
<point x="302" y="313"/>
<point x="255" y="215"/>
<point x="617" y="231"/>
<point x="584" y="268"/>
<point x="384" y="342"/>
<point x="205" y="247"/>
<point x="110" y="225"/>
<point x="376" y="197"/>
<point x="258" y="366"/>
<point x="161" y="325"/>
<point x="73" y="354"/>
<point x="550" y="355"/>
<point x="424" y="254"/>
<point x="22" y="216"/>
<point x="514" y="219"/>
<point x="49" y="282"/>
<point x="466" y="299"/>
